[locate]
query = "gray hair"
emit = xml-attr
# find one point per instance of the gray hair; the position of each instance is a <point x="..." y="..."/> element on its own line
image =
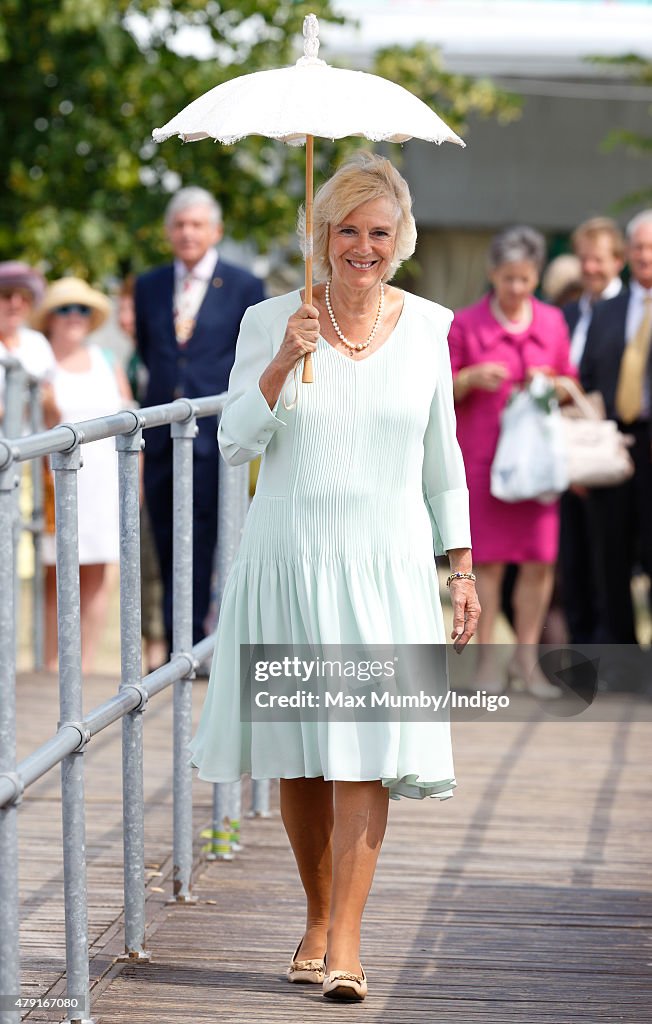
<point x="192" y="196"/>
<point x="516" y="244"/>
<point x="644" y="217"/>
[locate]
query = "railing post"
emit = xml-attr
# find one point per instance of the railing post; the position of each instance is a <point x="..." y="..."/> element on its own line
<point x="9" y="933"/>
<point x="233" y="502"/>
<point x="14" y="407"/>
<point x="37" y="528"/>
<point x="260" y="799"/>
<point x="65" y="466"/>
<point x="14" y="399"/>
<point x="183" y="435"/>
<point x="129" y="447"/>
<point x="220" y="846"/>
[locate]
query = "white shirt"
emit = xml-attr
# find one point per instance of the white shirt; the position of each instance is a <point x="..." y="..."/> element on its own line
<point x="190" y="287"/>
<point x="33" y="352"/>
<point x="586" y="304"/>
<point x="637" y="295"/>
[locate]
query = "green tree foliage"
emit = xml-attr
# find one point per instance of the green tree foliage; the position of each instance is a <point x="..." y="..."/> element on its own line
<point x="640" y="70"/>
<point x="84" y="82"/>
<point x="84" y="183"/>
<point x="455" y="97"/>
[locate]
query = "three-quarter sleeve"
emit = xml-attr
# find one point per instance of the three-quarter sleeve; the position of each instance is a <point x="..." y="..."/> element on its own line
<point x="248" y="424"/>
<point x="444" y="478"/>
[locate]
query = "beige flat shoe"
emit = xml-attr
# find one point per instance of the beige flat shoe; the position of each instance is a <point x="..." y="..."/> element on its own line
<point x="306" y="972"/>
<point x="348" y="988"/>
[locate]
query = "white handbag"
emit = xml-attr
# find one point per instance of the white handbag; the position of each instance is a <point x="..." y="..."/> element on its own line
<point x="530" y="460"/>
<point x="596" y="451"/>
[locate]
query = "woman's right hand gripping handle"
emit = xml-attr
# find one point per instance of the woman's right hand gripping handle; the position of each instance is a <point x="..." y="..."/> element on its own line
<point x="301" y="335"/>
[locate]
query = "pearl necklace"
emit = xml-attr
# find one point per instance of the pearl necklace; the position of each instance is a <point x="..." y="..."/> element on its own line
<point x="352" y="347"/>
<point x="513" y="326"/>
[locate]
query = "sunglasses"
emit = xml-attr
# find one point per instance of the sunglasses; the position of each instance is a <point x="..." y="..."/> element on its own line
<point x="8" y="293"/>
<point x="73" y="307"/>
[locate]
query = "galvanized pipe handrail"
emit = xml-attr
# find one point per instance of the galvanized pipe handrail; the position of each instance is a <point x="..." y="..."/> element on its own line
<point x="69" y="738"/>
<point x="67" y="746"/>
<point x="67" y="436"/>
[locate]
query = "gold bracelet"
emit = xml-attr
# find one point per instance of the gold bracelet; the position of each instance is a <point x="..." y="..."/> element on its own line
<point x="460" y="576"/>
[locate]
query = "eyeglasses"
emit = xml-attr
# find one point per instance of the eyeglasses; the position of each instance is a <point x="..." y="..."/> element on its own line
<point x="73" y="307"/>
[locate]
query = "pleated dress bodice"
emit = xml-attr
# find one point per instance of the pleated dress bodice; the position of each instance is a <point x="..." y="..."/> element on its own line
<point x="361" y="479"/>
<point x="343" y="481"/>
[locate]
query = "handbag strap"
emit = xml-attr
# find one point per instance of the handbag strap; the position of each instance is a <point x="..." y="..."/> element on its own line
<point x="578" y="397"/>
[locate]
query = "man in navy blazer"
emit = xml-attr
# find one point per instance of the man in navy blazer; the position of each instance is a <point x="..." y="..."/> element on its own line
<point x="599" y="245"/>
<point x="187" y="320"/>
<point x="621" y="517"/>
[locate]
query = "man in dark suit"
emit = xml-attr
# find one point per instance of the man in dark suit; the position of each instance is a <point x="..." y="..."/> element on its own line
<point x="599" y="245"/>
<point x="616" y="363"/>
<point x="187" y="320"/>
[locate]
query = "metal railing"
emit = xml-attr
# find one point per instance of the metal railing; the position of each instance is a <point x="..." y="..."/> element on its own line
<point x="63" y="444"/>
<point x="22" y="408"/>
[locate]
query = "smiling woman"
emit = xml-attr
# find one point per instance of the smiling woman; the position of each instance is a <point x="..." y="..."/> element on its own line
<point x="349" y="189"/>
<point x="338" y="548"/>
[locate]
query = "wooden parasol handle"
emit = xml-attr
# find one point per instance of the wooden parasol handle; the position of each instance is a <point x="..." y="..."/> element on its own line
<point x="308" y="377"/>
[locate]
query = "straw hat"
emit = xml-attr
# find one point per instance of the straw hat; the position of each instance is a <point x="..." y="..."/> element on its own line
<point x="72" y="291"/>
<point x="14" y="274"/>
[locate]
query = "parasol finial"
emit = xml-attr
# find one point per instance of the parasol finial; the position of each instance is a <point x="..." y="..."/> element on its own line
<point x="311" y="36"/>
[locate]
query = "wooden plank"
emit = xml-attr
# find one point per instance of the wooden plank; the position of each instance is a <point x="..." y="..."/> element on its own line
<point x="527" y="898"/>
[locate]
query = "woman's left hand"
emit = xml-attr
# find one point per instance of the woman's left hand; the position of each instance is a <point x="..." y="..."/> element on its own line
<point x="548" y="371"/>
<point x="466" y="612"/>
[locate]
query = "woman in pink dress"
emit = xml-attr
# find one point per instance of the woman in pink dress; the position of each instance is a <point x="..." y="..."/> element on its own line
<point x="495" y="345"/>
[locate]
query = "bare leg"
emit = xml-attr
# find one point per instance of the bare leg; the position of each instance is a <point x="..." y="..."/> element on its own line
<point x="156" y="654"/>
<point x="94" y="587"/>
<point x="307" y="813"/>
<point x="489" y="583"/>
<point x="360" y="821"/>
<point x="50" y="618"/>
<point x="532" y="594"/>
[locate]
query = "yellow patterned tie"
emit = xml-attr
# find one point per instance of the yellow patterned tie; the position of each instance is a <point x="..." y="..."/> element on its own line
<point x="633" y="365"/>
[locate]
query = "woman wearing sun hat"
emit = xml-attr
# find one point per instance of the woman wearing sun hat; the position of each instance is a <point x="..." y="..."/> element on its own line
<point x="86" y="384"/>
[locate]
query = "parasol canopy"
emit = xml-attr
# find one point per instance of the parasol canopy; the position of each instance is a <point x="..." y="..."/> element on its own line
<point x="309" y="99"/>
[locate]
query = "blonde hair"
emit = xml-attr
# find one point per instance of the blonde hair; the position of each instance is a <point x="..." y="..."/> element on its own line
<point x="363" y="178"/>
<point x="591" y="229"/>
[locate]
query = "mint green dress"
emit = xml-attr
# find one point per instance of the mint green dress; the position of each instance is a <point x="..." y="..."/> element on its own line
<point x="359" y="482"/>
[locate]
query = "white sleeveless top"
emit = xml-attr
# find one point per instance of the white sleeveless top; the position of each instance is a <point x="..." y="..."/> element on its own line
<point x="83" y="396"/>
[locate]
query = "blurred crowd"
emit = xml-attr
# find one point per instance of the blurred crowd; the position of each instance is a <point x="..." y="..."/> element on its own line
<point x="560" y="571"/>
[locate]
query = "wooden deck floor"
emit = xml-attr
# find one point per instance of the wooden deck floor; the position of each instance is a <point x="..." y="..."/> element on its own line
<point x="526" y="898"/>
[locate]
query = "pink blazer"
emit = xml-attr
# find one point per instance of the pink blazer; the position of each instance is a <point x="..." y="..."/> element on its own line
<point x="477" y="337"/>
